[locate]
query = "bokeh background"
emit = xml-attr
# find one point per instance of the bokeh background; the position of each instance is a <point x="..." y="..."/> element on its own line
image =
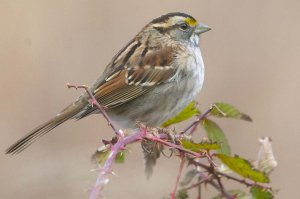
<point x="252" y="59"/>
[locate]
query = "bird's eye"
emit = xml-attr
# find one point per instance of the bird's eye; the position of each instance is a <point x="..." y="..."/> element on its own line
<point x="184" y="26"/>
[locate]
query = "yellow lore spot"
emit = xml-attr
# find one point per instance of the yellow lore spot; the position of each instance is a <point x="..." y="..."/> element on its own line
<point x="191" y="22"/>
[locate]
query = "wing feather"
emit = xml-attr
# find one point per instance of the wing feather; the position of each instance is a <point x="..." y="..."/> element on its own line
<point x="133" y="76"/>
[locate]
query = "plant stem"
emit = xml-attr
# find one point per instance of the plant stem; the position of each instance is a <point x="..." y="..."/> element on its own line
<point x="107" y="167"/>
<point x="97" y="104"/>
<point x="175" y="146"/>
<point x="199" y="192"/>
<point x="203" y="180"/>
<point x="224" y="193"/>
<point x="242" y="181"/>
<point x="182" y="160"/>
<point x="195" y="123"/>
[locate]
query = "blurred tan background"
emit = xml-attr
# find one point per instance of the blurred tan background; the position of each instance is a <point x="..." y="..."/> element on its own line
<point x="252" y="59"/>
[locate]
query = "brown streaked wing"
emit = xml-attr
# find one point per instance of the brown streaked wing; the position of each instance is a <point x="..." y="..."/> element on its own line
<point x="116" y="91"/>
<point x="117" y="63"/>
<point x="141" y="73"/>
<point x="155" y="68"/>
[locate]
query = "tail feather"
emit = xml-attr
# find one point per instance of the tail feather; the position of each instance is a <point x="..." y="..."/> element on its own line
<point x="44" y="128"/>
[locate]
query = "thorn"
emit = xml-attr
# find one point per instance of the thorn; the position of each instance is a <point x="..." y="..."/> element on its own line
<point x="93" y="170"/>
<point x="122" y="147"/>
<point x="91" y="102"/>
<point x="105" y="181"/>
<point x="121" y="133"/>
<point x="105" y="142"/>
<point x="114" y="174"/>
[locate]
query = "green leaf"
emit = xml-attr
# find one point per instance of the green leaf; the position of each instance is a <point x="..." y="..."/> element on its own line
<point x="189" y="176"/>
<point x="259" y="193"/>
<point x="151" y="151"/>
<point x="236" y="193"/>
<point x="188" y="112"/>
<point x="182" y="195"/>
<point x="197" y="147"/>
<point x="120" y="157"/>
<point x="101" y="154"/>
<point x="216" y="135"/>
<point x="220" y="109"/>
<point x="243" y="168"/>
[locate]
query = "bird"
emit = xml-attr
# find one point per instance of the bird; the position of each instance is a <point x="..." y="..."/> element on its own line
<point x="150" y="80"/>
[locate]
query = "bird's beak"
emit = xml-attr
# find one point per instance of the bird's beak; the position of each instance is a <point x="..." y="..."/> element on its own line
<point x="201" y="28"/>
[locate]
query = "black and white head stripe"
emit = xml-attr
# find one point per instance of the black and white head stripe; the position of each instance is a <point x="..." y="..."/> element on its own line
<point x="165" y="17"/>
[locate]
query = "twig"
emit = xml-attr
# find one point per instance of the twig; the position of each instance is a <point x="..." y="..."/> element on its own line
<point x="173" y="193"/>
<point x="120" y="145"/>
<point x="242" y="181"/>
<point x="107" y="167"/>
<point x="175" y="146"/>
<point x="201" y="181"/>
<point x="214" y="172"/>
<point x="97" y="104"/>
<point x="211" y="162"/>
<point x="221" y="187"/>
<point x="160" y="138"/>
<point x="216" y="186"/>
<point x="199" y="192"/>
<point x="195" y="123"/>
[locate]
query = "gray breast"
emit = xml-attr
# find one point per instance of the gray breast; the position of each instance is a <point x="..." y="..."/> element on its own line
<point x="165" y="100"/>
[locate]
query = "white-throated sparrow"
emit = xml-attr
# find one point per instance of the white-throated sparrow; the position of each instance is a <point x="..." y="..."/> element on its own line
<point x="150" y="80"/>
